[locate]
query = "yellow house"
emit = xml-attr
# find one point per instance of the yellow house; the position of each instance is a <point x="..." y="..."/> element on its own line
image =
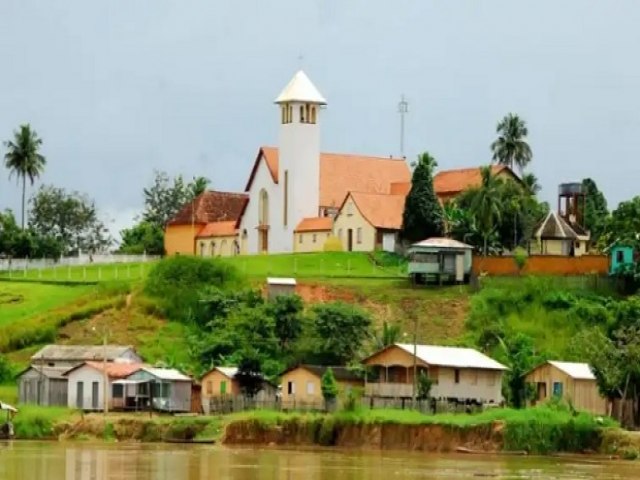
<point x="218" y="239"/>
<point x="369" y="221"/>
<point x="311" y="233"/>
<point x="572" y="381"/>
<point x="302" y="385"/>
<point x="183" y="231"/>
<point x="554" y="236"/>
<point x="464" y="374"/>
<point x="220" y="381"/>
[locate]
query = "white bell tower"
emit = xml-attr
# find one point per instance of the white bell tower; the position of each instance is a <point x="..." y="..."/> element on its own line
<point x="299" y="154"/>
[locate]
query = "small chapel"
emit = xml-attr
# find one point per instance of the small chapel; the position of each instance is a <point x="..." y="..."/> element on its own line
<point x="298" y="198"/>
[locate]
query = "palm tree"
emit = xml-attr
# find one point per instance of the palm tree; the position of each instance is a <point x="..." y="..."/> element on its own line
<point x="389" y="335"/>
<point x="485" y="205"/>
<point x="531" y="184"/>
<point x="23" y="160"/>
<point x="511" y="147"/>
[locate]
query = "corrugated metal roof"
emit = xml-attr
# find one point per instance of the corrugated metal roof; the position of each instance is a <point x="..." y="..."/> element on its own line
<point x="228" y="371"/>
<point x="442" y="242"/>
<point x="49" y="372"/>
<point x="579" y="371"/>
<point x="80" y="352"/>
<point x="281" y="281"/>
<point x="455" y="357"/>
<point x="300" y="89"/>
<point x="166" y="373"/>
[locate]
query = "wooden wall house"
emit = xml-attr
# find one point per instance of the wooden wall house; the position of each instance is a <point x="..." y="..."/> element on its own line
<point x="220" y="388"/>
<point x="44" y="386"/>
<point x="573" y="382"/>
<point x="163" y="389"/>
<point x="458" y="374"/>
<point x="301" y="385"/>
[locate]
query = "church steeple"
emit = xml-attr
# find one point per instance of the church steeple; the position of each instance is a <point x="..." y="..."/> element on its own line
<point x="301" y="90"/>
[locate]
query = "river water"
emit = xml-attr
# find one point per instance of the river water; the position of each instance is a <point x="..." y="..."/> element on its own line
<point x="80" y="461"/>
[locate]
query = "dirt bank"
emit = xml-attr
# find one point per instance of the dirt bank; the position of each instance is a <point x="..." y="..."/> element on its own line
<point x="427" y="438"/>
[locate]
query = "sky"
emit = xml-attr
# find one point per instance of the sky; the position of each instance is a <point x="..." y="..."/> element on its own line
<point x="118" y="89"/>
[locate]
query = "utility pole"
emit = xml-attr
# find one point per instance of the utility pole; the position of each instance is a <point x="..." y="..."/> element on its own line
<point x="105" y="379"/>
<point x="403" y="109"/>
<point x="415" y="358"/>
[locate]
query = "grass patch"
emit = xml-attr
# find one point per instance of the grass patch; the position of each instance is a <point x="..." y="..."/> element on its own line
<point x="83" y="273"/>
<point x="9" y="394"/>
<point x="33" y="422"/>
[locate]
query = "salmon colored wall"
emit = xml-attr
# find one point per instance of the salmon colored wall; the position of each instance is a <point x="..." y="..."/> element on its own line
<point x="543" y="265"/>
<point x="180" y="239"/>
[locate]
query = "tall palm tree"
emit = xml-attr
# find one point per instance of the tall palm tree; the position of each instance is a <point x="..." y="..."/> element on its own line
<point x="511" y="147"/>
<point x="531" y="184"/>
<point x="23" y="158"/>
<point x="485" y="204"/>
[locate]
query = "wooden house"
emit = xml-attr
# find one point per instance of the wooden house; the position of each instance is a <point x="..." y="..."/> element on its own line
<point x="458" y="374"/>
<point x="440" y="259"/>
<point x="622" y="258"/>
<point x="221" y="384"/>
<point x="72" y="355"/>
<point x="86" y="384"/>
<point x="163" y="389"/>
<point x="46" y="386"/>
<point x="573" y="382"/>
<point x="301" y="385"/>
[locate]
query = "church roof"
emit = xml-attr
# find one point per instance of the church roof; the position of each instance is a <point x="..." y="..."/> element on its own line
<point x="314" y="224"/>
<point x="341" y="173"/>
<point x="301" y="89"/>
<point x="452" y="182"/>
<point x="218" y="229"/>
<point x="211" y="206"/>
<point x="379" y="209"/>
<point x="555" y="227"/>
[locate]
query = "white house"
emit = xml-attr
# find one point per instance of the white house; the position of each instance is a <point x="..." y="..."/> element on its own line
<point x="460" y="374"/>
<point x="86" y="384"/>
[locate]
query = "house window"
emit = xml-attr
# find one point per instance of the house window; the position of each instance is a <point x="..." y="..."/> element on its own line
<point x="557" y="389"/>
<point x="359" y="235"/>
<point x="299" y="238"/>
<point x="314" y="237"/>
<point x="286" y="197"/>
<point x="311" y="388"/>
<point x="620" y="256"/>
<point x="117" y="390"/>
<point x="209" y="387"/>
<point x="291" y="388"/>
<point x="456" y="376"/>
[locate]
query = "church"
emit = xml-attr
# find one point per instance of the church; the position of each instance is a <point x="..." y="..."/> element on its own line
<point x="300" y="199"/>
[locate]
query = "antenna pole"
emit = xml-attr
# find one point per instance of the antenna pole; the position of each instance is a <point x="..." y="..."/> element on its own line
<point x="403" y="109"/>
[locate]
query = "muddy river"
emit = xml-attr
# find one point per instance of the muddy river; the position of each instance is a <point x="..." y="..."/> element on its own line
<point x="75" y="461"/>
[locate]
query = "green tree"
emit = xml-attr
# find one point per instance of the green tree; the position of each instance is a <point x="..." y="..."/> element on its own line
<point x="511" y="147"/>
<point x="286" y="311"/>
<point x="6" y="371"/>
<point x="596" y="212"/>
<point x="486" y="205"/>
<point x="249" y="374"/>
<point x="531" y="185"/>
<point x="623" y="225"/>
<point x="70" y="218"/>
<point x="329" y="386"/>
<point x="424" y="386"/>
<point x="24" y="160"/>
<point x="142" y="237"/>
<point x="338" y="332"/>
<point x="388" y="335"/>
<point x="423" y="216"/>
<point x="519" y="355"/>
<point x="166" y="196"/>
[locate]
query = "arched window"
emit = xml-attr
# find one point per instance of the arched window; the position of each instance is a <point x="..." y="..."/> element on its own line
<point x="263" y="208"/>
<point x="213" y="248"/>
<point x="283" y="110"/>
<point x="313" y="114"/>
<point x="290" y="114"/>
<point x="202" y="249"/>
<point x="301" y="114"/>
<point x="307" y="115"/>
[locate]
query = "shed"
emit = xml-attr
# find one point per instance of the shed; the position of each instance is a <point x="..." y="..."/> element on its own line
<point x="164" y="389"/>
<point x="280" y="286"/>
<point x="301" y="385"/>
<point x="46" y="386"/>
<point x="622" y="257"/>
<point x="572" y="381"/>
<point x="458" y="374"/>
<point x="442" y="259"/>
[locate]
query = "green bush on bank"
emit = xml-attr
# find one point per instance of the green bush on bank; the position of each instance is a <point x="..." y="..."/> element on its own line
<point x="33" y="422"/>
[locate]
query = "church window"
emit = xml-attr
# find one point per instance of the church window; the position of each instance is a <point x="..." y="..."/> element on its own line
<point x="286" y="197"/>
<point x="290" y="114"/>
<point x="299" y="238"/>
<point x="359" y="235"/>
<point x="202" y="249"/>
<point x="307" y="116"/>
<point x="313" y="115"/>
<point x="284" y="113"/>
<point x="263" y="208"/>
<point x="213" y="248"/>
<point x="223" y="245"/>
<point x="302" y="114"/>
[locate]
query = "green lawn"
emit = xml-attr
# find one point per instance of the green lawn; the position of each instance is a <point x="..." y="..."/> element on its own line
<point x="87" y="273"/>
<point x="314" y="265"/>
<point x="22" y="300"/>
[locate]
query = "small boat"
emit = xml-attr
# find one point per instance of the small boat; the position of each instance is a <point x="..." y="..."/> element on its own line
<point x="179" y="440"/>
<point x="6" y="428"/>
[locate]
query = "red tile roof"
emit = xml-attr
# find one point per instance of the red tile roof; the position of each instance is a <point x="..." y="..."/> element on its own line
<point x="116" y="370"/>
<point x="315" y="224"/>
<point x="211" y="206"/>
<point x="342" y="173"/>
<point x="218" y="229"/>
<point x="452" y="182"/>
<point x="400" y="188"/>
<point x="380" y="210"/>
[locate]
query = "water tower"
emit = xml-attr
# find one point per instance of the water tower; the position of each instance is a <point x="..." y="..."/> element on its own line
<point x="572" y="201"/>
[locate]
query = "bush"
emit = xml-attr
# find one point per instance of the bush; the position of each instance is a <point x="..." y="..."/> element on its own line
<point x="520" y="257"/>
<point x="329" y="386"/>
<point x="332" y="244"/>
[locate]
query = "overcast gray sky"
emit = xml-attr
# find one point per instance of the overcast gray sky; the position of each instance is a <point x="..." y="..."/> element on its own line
<point x="117" y="89"/>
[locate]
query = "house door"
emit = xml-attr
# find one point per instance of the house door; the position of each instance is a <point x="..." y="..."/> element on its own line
<point x="79" y="394"/>
<point x="94" y="395"/>
<point x="350" y="240"/>
<point x="542" y="391"/>
<point x="264" y="241"/>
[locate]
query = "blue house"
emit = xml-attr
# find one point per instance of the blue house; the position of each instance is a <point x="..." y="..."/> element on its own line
<point x="621" y="256"/>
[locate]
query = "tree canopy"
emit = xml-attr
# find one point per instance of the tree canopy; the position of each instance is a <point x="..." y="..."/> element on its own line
<point x="511" y="147"/>
<point x="596" y="212"/>
<point x="423" y="216"/>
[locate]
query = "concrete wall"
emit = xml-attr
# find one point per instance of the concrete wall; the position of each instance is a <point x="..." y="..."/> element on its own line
<point x="350" y="218"/>
<point x="543" y="265"/>
<point x="87" y="375"/>
<point x="180" y="239"/>
<point x="310" y="241"/>
<point x="223" y="246"/>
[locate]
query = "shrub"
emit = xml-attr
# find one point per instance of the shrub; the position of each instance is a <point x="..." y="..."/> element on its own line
<point x="329" y="385"/>
<point x="520" y="257"/>
<point x="332" y="244"/>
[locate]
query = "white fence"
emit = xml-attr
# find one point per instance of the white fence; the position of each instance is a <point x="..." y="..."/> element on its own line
<point x="20" y="264"/>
